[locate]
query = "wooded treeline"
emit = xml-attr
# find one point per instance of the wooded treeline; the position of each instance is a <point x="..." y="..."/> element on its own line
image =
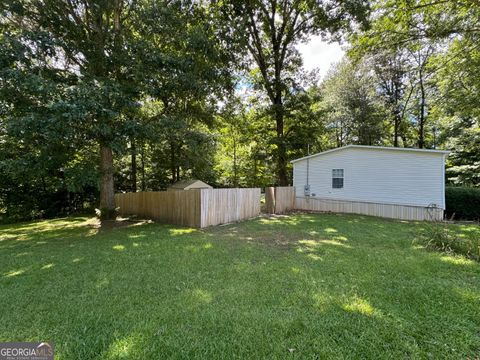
<point x="98" y="96"/>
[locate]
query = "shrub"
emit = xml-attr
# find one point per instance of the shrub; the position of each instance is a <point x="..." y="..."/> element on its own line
<point x="437" y="236"/>
<point x="462" y="203"/>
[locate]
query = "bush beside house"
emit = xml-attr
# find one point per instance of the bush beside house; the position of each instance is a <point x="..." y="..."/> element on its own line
<point x="463" y="203"/>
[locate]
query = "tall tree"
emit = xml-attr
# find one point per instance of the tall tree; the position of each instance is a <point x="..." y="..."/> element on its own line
<point x="88" y="40"/>
<point x="352" y="107"/>
<point x="391" y="70"/>
<point x="104" y="58"/>
<point x="273" y="28"/>
<point x="234" y="140"/>
<point x="44" y="173"/>
<point x="457" y="110"/>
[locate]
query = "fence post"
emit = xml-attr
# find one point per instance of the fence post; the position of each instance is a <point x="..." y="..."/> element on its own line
<point x="270" y="200"/>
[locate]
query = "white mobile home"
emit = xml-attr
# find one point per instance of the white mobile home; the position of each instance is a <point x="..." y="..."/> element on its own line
<point x="381" y="181"/>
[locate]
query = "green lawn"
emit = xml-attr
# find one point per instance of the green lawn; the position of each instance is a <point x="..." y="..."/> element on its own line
<point x="303" y="286"/>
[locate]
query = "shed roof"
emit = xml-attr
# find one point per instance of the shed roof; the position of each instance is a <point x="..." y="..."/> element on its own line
<point x="379" y="148"/>
<point x="190" y="184"/>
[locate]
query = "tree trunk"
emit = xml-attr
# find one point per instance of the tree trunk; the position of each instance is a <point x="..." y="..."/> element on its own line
<point x="421" y="130"/>
<point x="397" y="112"/>
<point x="133" y="150"/>
<point x="254" y="172"/>
<point x="173" y="168"/>
<point x="107" y="198"/>
<point x="281" y="146"/>
<point x="341" y="135"/>
<point x="142" y="167"/>
<point x="395" y="129"/>
<point x="235" y="174"/>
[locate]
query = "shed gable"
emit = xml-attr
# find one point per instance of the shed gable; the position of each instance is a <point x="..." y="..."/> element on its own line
<point x="189" y="184"/>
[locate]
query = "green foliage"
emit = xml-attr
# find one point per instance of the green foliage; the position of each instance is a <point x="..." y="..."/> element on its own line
<point x="78" y="77"/>
<point x="244" y="153"/>
<point x="430" y="78"/>
<point x="44" y="174"/>
<point x="270" y="31"/>
<point x="154" y="82"/>
<point x="457" y="109"/>
<point x="463" y="137"/>
<point x="352" y="108"/>
<point x="462" y="203"/>
<point x="439" y="236"/>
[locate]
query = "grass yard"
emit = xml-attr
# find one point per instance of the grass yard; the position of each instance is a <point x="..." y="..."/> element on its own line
<point x="303" y="286"/>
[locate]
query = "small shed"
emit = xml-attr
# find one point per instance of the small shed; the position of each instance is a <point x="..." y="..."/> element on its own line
<point x="188" y="185"/>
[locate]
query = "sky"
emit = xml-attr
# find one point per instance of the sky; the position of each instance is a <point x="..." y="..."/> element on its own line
<point x="320" y="54"/>
<point x="316" y="53"/>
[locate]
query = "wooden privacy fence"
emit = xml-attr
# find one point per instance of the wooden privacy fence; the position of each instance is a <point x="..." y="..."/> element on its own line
<point x="196" y="207"/>
<point x="279" y="200"/>
<point x="221" y="206"/>
<point x="174" y="207"/>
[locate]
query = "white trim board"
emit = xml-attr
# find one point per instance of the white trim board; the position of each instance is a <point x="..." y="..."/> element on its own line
<point x="380" y="148"/>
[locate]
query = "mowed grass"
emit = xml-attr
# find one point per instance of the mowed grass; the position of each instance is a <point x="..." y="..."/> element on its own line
<point x="320" y="286"/>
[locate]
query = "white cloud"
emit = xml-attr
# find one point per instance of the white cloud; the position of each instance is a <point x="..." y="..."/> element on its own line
<point x="320" y="54"/>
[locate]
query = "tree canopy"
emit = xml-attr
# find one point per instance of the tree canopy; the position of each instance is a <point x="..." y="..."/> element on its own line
<point x="121" y="95"/>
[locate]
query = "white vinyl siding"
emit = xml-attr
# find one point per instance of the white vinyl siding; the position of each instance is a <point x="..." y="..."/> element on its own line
<point x="378" y="176"/>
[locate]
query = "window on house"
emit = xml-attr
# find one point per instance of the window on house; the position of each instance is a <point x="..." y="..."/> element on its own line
<point x="337" y="178"/>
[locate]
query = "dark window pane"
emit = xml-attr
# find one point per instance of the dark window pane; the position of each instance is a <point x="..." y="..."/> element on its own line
<point x="337" y="173"/>
<point x="337" y="183"/>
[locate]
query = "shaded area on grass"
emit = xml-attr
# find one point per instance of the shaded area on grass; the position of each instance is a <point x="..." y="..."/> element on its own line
<point x="296" y="286"/>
